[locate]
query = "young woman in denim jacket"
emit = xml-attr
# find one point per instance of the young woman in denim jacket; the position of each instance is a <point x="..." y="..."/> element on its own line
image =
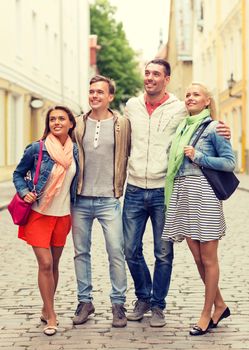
<point x="193" y="210"/>
<point x="49" y="221"/>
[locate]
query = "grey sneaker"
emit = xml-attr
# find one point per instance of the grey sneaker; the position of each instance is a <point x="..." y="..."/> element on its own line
<point x="141" y="307"/>
<point x="82" y="312"/>
<point x="119" y="318"/>
<point x="157" y="318"/>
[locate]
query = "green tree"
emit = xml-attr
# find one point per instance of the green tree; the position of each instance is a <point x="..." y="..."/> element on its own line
<point x="116" y="59"/>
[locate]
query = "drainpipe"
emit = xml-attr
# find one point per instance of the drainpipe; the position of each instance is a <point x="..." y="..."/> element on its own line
<point x="61" y="50"/>
<point x="244" y="72"/>
<point x="218" y="58"/>
<point x="6" y="126"/>
<point x="79" y="63"/>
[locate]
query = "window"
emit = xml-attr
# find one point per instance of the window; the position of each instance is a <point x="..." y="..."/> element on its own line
<point x="14" y="129"/>
<point x="55" y="56"/>
<point x="34" y="40"/>
<point x="2" y="128"/>
<point x="47" y="63"/>
<point x="18" y="32"/>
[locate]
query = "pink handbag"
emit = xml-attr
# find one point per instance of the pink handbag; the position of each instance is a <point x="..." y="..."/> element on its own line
<point x="18" y="208"/>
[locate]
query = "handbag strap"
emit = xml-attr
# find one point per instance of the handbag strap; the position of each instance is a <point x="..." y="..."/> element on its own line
<point x="203" y="127"/>
<point x="38" y="164"/>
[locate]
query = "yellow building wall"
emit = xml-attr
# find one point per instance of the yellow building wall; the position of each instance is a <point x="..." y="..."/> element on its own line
<point x="33" y="124"/>
<point x="233" y="109"/>
<point x="181" y="71"/>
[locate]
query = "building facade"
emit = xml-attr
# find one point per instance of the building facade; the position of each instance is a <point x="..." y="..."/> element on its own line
<point x="179" y="49"/>
<point x="44" y="60"/>
<point x="218" y="60"/>
<point x="220" y="37"/>
<point x="94" y="48"/>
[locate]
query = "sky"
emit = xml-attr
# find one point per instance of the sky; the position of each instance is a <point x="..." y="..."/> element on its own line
<point x="142" y="21"/>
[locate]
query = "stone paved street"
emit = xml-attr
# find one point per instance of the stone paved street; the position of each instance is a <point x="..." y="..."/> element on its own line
<point x="20" y="302"/>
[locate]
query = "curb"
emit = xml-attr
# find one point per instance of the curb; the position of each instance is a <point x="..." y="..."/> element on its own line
<point x="3" y="206"/>
<point x="243" y="189"/>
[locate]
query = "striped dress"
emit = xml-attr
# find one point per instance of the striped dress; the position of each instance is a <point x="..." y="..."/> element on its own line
<point x="194" y="211"/>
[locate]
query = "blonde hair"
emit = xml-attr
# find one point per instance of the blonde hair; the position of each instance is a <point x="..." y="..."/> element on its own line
<point x="206" y="91"/>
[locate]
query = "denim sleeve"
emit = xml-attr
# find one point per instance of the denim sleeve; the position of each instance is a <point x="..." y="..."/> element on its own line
<point x="26" y="163"/>
<point x="224" y="159"/>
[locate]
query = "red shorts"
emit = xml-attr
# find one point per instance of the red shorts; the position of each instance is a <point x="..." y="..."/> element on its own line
<point x="45" y="231"/>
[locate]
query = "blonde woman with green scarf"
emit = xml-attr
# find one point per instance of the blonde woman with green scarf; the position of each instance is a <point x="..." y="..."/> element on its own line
<point x="193" y="211"/>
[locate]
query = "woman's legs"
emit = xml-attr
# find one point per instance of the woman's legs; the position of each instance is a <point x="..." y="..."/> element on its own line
<point x="205" y="255"/>
<point x="48" y="261"/>
<point x="56" y="254"/>
<point x="211" y="267"/>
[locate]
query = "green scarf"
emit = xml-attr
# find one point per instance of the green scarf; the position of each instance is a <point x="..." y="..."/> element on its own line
<point x="182" y="137"/>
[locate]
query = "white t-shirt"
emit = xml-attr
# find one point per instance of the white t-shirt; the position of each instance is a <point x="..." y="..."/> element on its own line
<point x="60" y="205"/>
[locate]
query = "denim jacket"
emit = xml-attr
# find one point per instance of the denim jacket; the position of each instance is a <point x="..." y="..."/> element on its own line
<point x="211" y="151"/>
<point x="25" y="170"/>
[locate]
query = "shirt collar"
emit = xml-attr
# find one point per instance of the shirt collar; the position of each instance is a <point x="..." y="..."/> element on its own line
<point x="151" y="107"/>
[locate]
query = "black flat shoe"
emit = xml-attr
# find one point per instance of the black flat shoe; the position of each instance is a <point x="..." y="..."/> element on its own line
<point x="196" y="330"/>
<point x="225" y="314"/>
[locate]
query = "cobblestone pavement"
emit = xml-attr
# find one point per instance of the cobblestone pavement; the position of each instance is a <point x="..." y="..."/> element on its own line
<point x="20" y="302"/>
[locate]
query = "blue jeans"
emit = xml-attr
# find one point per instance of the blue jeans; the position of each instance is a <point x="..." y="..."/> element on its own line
<point x="139" y="205"/>
<point x="108" y="212"/>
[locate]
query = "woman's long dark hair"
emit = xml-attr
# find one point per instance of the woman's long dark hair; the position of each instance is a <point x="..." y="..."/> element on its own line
<point x="70" y="116"/>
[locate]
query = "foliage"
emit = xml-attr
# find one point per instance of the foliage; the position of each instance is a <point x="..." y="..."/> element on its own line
<point x="116" y="59"/>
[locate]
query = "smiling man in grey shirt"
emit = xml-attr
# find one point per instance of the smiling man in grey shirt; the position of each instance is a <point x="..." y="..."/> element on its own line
<point x="103" y="139"/>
